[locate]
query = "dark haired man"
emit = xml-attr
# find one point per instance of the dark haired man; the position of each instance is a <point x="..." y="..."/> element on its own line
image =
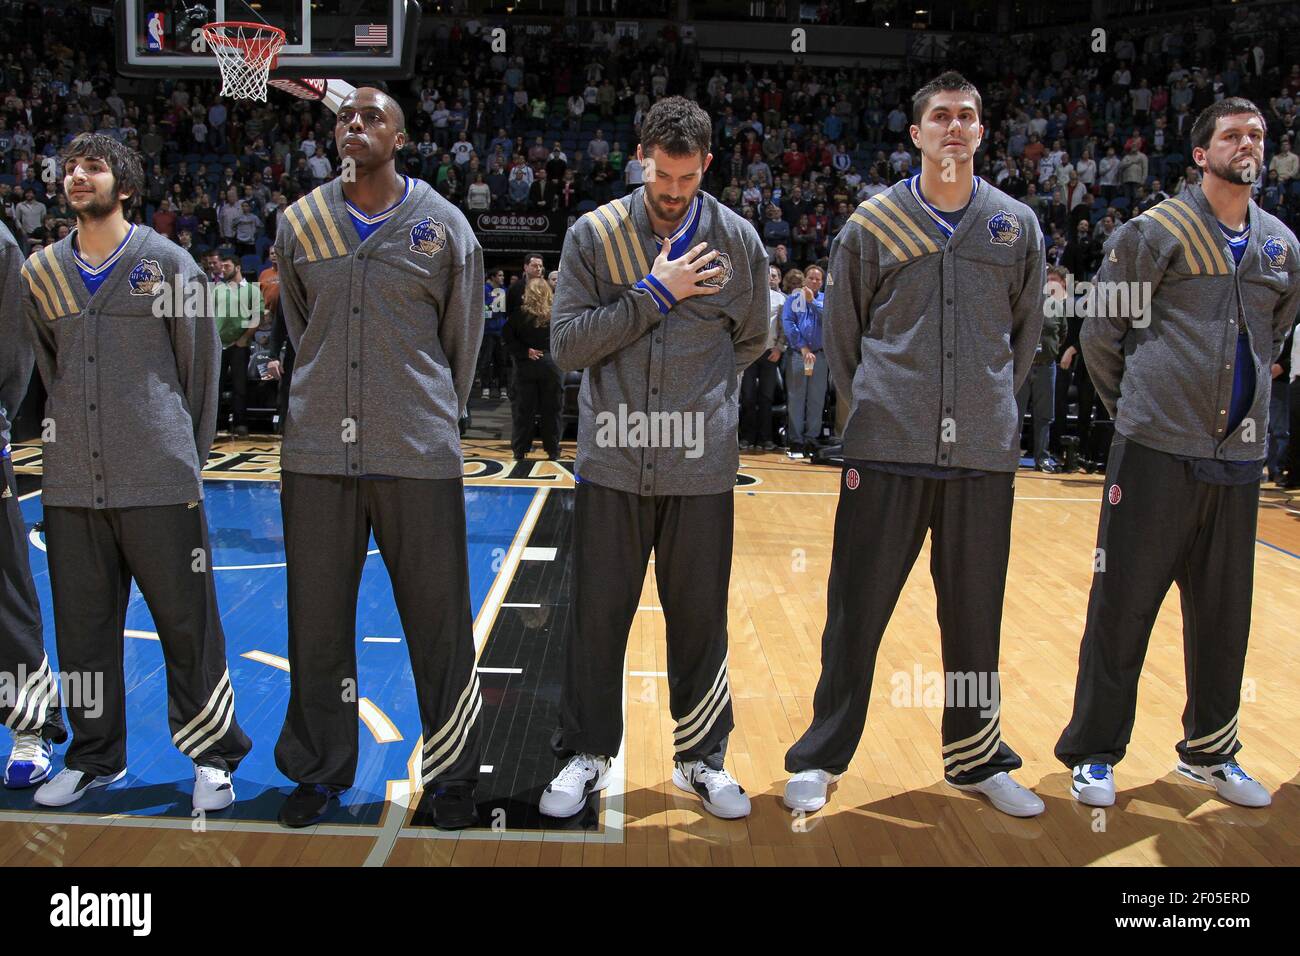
<point x="1187" y="381"/>
<point x="663" y="302"/>
<point x="934" y="307"/>
<point x="133" y="402"/>
<point x="32" y="714"/>
<point x="381" y="284"/>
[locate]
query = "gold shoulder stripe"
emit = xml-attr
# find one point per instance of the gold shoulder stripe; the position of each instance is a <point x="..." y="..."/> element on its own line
<point x="613" y="222"/>
<point x="294" y="218"/>
<point x="1190" y="217"/>
<point x="610" y="261"/>
<point x="46" y="282"/>
<point x="880" y="235"/>
<point x="52" y="261"/>
<point x="309" y="217"/>
<point x="1163" y="217"/>
<point x="926" y="242"/>
<point x="33" y="283"/>
<point x="318" y="197"/>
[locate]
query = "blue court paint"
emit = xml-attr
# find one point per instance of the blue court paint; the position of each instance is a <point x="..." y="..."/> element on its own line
<point x="244" y="522"/>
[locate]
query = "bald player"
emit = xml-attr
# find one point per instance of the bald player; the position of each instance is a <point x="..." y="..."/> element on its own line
<point x="381" y="282"/>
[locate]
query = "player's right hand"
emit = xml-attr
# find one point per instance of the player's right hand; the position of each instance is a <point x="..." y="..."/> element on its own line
<point x="682" y="277"/>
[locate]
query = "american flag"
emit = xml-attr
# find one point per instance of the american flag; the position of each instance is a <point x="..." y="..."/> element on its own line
<point x="370" y="34"/>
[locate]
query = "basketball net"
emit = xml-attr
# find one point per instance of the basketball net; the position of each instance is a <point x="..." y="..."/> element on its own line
<point x="245" y="53"/>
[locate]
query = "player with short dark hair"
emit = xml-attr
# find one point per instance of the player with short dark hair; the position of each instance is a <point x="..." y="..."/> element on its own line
<point x="662" y="300"/>
<point x="381" y="284"/>
<point x="132" y="385"/>
<point x="1187" y="381"/>
<point x="934" y="306"/>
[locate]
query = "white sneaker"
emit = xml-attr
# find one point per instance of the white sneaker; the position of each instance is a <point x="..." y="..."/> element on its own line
<point x="69" y="786"/>
<point x="567" y="794"/>
<point x="1006" y="795"/>
<point x="29" y="761"/>
<point x="806" y="790"/>
<point x="487" y="393"/>
<point x="212" y="788"/>
<point x="722" y="795"/>
<point x="1094" y="784"/>
<point x="1229" y="781"/>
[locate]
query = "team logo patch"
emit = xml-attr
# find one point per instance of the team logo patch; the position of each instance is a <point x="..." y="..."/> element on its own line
<point x="852" y="479"/>
<point x="1113" y="257"/>
<point x="830" y="280"/>
<point x="1114" y="495"/>
<point x="723" y="277"/>
<point x="146" y="278"/>
<point x="1275" y="250"/>
<point x="1004" y="228"/>
<point x="428" y="237"/>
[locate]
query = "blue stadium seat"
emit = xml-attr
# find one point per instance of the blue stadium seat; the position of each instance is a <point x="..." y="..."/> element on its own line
<point x="1120" y="202"/>
<point x="251" y="265"/>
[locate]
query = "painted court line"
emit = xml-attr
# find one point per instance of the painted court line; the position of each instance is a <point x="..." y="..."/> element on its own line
<point x="538" y="554"/>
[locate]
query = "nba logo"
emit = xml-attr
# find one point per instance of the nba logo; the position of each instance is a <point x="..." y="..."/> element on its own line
<point x="154" y="33"/>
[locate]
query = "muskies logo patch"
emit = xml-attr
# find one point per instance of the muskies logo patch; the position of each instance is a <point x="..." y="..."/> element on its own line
<point x="723" y="277"/>
<point x="1004" y="228"/>
<point x="146" y="278"/>
<point x="428" y="237"/>
<point x="1275" y="250"/>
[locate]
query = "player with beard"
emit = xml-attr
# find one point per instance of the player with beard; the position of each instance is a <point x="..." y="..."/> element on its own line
<point x="1188" y="385"/>
<point x="381" y="283"/>
<point x="934" y="307"/>
<point x="662" y="301"/>
<point x="132" y="386"/>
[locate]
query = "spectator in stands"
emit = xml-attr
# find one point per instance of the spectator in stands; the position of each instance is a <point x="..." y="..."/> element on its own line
<point x="538" y="383"/>
<point x="30" y="213"/>
<point x="1285" y="163"/>
<point x="1039" y="390"/>
<point x="806" y="370"/>
<point x="164" y="220"/>
<point x="238" y="314"/>
<point x="776" y="231"/>
<point x="758" y="387"/>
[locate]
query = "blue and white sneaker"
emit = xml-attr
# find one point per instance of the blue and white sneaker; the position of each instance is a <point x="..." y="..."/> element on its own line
<point x="1229" y="781"/>
<point x="722" y="795"/>
<point x="1094" y="784"/>
<point x="69" y="786"/>
<point x="29" y="761"/>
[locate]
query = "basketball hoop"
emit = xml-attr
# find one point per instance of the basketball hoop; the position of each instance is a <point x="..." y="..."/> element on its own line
<point x="245" y="54"/>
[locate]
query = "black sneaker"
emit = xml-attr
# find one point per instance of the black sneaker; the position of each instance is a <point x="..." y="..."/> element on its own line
<point x="453" y="806"/>
<point x="307" y="805"/>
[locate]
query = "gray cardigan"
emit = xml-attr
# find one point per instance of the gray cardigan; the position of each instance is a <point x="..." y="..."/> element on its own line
<point x="932" y="339"/>
<point x="1167" y="381"/>
<point x="387" y="334"/>
<point x="636" y="359"/>
<point x="132" y="396"/>
<point x="15" y="346"/>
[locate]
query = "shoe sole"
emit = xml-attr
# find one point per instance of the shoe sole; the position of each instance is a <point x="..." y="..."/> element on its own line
<point x="95" y="784"/>
<point x="682" y="784"/>
<point x="1184" y="772"/>
<point x="1106" y="800"/>
<point x="813" y="809"/>
<point x="214" y="809"/>
<point x="557" y="814"/>
<point x="1001" y="808"/>
<point x="308" y="823"/>
<point x="31" y="781"/>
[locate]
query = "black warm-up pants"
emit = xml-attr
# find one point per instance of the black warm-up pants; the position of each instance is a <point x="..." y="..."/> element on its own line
<point x="880" y="525"/>
<point x="613" y="535"/>
<point x="1159" y="526"/>
<point x="33" y="708"/>
<point x="419" y="525"/>
<point x="94" y="555"/>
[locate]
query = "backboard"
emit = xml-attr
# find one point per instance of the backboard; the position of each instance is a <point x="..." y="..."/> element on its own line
<point x="346" y="39"/>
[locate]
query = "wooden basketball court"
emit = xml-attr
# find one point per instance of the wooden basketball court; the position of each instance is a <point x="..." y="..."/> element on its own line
<point x="892" y="807"/>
